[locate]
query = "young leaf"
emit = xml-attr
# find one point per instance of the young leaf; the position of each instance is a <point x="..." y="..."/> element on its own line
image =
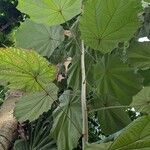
<point x="42" y="38"/>
<point x="31" y="106"/>
<point x="135" y="136"/>
<point x="139" y="54"/>
<point x="50" y="12"/>
<point x="67" y="121"/>
<point x="24" y="69"/>
<point x="105" y="23"/>
<point x="141" y="101"/>
<point x="111" y="120"/>
<point x="112" y="76"/>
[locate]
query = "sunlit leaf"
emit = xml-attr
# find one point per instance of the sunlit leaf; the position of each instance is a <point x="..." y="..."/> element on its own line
<point x="51" y="12"/>
<point x="24" y="69"/>
<point x="135" y="136"/>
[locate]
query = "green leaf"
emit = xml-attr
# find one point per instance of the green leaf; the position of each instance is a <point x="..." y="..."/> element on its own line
<point x="147" y="1"/>
<point x="50" y="12"/>
<point x="105" y="23"/>
<point x="135" y="137"/>
<point x="31" y="106"/>
<point x="139" y="54"/>
<point x="74" y="74"/>
<point x="24" y="145"/>
<point x="42" y="38"/>
<point x="146" y="75"/>
<point x="111" y="120"/>
<point x="1" y="101"/>
<point x="25" y="69"/>
<point x="21" y="145"/>
<point x="141" y="101"/>
<point x="145" y="29"/>
<point x="114" y="77"/>
<point x="101" y="146"/>
<point x="67" y="121"/>
<point x="38" y="135"/>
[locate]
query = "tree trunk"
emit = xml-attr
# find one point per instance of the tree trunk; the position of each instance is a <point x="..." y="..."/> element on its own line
<point x="8" y="123"/>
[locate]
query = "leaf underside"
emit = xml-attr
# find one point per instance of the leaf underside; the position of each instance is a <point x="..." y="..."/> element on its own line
<point x="67" y="121"/>
<point x="112" y="76"/>
<point x="32" y="105"/>
<point x="50" y="12"/>
<point x="39" y="37"/>
<point x="105" y="23"/>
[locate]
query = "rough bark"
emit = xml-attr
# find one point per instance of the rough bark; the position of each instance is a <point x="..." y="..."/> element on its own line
<point x="8" y="123"/>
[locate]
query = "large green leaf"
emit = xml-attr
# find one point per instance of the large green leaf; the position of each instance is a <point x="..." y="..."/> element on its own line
<point x="139" y="54"/>
<point x="112" y="76"/>
<point x="39" y="37"/>
<point x="141" y="101"/>
<point x="31" y="106"/>
<point x="105" y="23"/>
<point x="135" y="137"/>
<point x="51" y="12"/>
<point x="111" y="120"/>
<point x="67" y="121"/>
<point x="25" y="69"/>
<point x="101" y="146"/>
